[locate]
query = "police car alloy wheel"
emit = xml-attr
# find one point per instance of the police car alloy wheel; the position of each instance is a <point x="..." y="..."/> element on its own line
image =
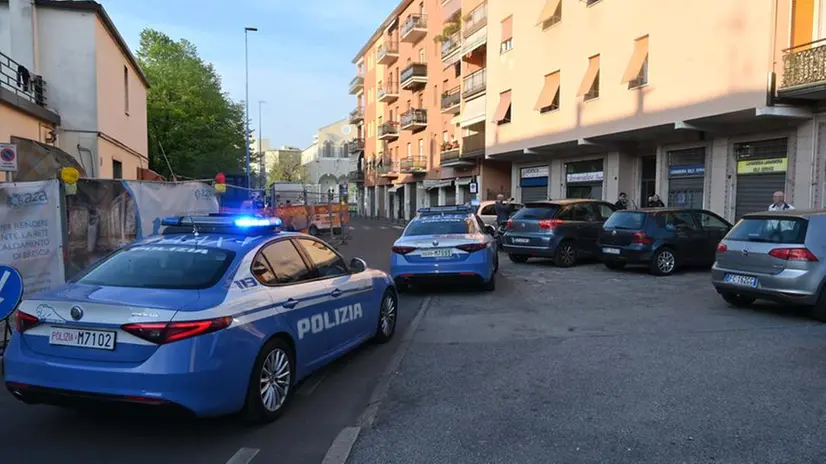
<point x="271" y="383"/>
<point x="275" y="379"/>
<point x="388" y="314"/>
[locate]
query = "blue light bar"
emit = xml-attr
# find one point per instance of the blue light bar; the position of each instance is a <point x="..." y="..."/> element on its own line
<point x="245" y="222"/>
<point x="446" y="209"/>
<point x="257" y="222"/>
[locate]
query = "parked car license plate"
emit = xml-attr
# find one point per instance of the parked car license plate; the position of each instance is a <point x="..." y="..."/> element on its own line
<point x="440" y="253"/>
<point x="520" y="240"/>
<point x="83" y="338"/>
<point x="748" y="281"/>
<point x="611" y="251"/>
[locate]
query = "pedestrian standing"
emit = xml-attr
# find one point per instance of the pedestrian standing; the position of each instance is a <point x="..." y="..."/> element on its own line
<point x="502" y="209"/>
<point x="779" y="202"/>
<point x="622" y="201"/>
<point x="655" y="202"/>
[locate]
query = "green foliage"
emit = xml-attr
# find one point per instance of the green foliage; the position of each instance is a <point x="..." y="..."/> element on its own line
<point x="287" y="169"/>
<point x="452" y="26"/>
<point x="200" y="128"/>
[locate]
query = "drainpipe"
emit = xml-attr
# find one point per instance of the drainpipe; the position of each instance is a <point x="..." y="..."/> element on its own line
<point x="813" y="169"/>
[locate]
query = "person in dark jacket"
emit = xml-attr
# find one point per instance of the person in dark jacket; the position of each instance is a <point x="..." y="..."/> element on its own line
<point x="622" y="202"/>
<point x="655" y="202"/>
<point x="502" y="209"/>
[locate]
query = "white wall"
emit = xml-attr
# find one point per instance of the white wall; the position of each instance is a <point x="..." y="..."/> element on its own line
<point x="5" y="29"/>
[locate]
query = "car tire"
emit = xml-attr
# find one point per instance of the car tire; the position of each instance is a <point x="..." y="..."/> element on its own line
<point x="388" y="316"/>
<point x="519" y="259"/>
<point x="496" y="264"/>
<point x="260" y="407"/>
<point x="614" y="266"/>
<point x="565" y="254"/>
<point x="313" y="230"/>
<point x="737" y="301"/>
<point x="818" y="311"/>
<point x="490" y="285"/>
<point x="664" y="262"/>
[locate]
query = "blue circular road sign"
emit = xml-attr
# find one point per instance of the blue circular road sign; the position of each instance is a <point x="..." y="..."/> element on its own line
<point x="11" y="290"/>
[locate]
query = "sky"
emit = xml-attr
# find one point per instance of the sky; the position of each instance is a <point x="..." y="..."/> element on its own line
<point x="300" y="60"/>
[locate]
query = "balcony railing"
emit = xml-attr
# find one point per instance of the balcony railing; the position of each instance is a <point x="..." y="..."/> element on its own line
<point x="413" y="76"/>
<point x="450" y="152"/>
<point x="451" y="45"/>
<point x="388" y="52"/>
<point x="356" y="176"/>
<point x="388" y="130"/>
<point x="804" y="65"/>
<point x="414" y="28"/>
<point x="387" y="167"/>
<point x="357" y="84"/>
<point x="388" y="93"/>
<point x="413" y="164"/>
<point x="356" y="116"/>
<point x="475" y="83"/>
<point x="476" y="20"/>
<point x="20" y="81"/>
<point x="414" y="118"/>
<point x="451" y="100"/>
<point x="356" y="145"/>
<point x="473" y="144"/>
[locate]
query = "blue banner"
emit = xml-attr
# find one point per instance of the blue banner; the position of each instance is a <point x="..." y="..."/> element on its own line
<point x="687" y="171"/>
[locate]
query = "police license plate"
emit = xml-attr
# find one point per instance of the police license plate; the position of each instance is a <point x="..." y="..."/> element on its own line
<point x="748" y="281"/>
<point x="440" y="253"/>
<point x="611" y="251"/>
<point x="82" y="338"/>
<point x="520" y="240"/>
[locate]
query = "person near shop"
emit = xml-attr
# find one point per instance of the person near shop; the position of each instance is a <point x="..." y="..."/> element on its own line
<point x="655" y="202"/>
<point x="502" y="209"/>
<point x="622" y="201"/>
<point x="779" y="202"/>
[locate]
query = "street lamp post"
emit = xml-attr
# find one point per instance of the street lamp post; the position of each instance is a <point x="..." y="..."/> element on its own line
<point x="247" y="105"/>
<point x="262" y="163"/>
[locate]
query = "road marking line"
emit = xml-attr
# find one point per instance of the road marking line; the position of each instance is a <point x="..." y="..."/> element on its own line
<point x="382" y="228"/>
<point x="351" y="228"/>
<point x="243" y="456"/>
<point x="310" y="388"/>
<point x="340" y="450"/>
<point x="398" y="227"/>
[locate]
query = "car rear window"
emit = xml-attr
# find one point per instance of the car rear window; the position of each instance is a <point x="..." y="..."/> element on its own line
<point x="162" y="267"/>
<point x="772" y="230"/>
<point x="440" y="225"/>
<point x="626" y="220"/>
<point x="536" y="211"/>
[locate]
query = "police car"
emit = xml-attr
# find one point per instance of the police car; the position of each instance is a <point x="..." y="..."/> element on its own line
<point x="442" y="244"/>
<point x="216" y="315"/>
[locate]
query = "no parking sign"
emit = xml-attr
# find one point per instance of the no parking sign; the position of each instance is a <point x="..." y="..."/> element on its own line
<point x="8" y="157"/>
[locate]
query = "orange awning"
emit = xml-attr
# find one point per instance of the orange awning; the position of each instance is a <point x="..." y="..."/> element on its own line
<point x="502" y="109"/>
<point x="549" y="91"/>
<point x="507" y="28"/>
<point x="637" y="59"/>
<point x="549" y="10"/>
<point x="590" y="75"/>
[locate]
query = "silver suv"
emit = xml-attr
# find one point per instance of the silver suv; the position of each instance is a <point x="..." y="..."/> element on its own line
<point x="775" y="256"/>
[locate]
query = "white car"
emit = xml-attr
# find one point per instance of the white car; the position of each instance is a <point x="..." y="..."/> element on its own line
<point x="487" y="211"/>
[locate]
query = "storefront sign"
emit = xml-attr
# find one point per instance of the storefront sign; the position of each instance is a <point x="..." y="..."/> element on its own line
<point x="762" y="166"/>
<point x="584" y="177"/>
<point x="687" y="171"/>
<point x="535" y="171"/>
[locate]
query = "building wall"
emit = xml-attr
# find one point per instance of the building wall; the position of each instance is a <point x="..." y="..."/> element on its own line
<point x="109" y="152"/>
<point x="14" y="122"/>
<point x="331" y="171"/>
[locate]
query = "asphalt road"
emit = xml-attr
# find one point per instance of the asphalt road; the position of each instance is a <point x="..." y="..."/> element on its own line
<point x="327" y="402"/>
<point x="591" y="365"/>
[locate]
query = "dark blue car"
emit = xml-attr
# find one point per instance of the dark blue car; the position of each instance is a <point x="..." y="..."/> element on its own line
<point x="661" y="238"/>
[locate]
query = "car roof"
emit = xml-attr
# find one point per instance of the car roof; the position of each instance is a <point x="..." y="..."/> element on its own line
<point x="568" y="201"/>
<point x="238" y="243"/>
<point x="667" y="209"/>
<point x="799" y="213"/>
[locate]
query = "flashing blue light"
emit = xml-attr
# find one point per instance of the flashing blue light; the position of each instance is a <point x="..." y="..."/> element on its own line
<point x="257" y="222"/>
<point x="446" y="209"/>
<point x="171" y="221"/>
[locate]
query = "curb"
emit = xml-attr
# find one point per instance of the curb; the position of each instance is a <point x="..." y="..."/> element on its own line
<point x="342" y="446"/>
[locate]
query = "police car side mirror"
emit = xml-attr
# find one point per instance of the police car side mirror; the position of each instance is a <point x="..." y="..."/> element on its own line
<point x="357" y="265"/>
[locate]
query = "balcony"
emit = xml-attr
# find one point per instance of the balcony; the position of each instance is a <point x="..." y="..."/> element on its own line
<point x="387" y="93"/>
<point x="474" y="30"/>
<point x="473" y="145"/>
<point x="31" y="90"/>
<point x="413" y="165"/>
<point x="388" y="131"/>
<point x="414" y="76"/>
<point x="356" y="145"/>
<point x="355" y="177"/>
<point x="804" y="72"/>
<point x="387" y="53"/>
<point x="452" y="101"/>
<point x="357" y="85"/>
<point x="475" y="84"/>
<point x="414" y="28"/>
<point x="414" y="119"/>
<point x="356" y="116"/>
<point x="387" y="168"/>
<point x="449" y="154"/>
<point x="451" y="47"/>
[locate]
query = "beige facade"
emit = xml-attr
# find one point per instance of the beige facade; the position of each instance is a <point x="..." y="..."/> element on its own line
<point x="592" y="98"/>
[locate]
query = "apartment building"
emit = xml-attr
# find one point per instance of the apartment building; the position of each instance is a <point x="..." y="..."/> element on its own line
<point x="71" y="92"/>
<point x="420" y="112"/>
<point x="330" y="161"/>
<point x="707" y="103"/>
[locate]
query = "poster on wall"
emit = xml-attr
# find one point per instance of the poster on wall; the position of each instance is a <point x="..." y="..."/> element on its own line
<point x="156" y="200"/>
<point x="31" y="237"/>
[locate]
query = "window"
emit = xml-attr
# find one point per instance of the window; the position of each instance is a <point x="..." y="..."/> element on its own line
<point x="636" y="74"/>
<point x="507" y="35"/>
<point x="117" y="169"/>
<point x="422" y="56"/>
<point x="771" y="230"/>
<point x="421" y="148"/>
<point x="503" y="111"/>
<point x="175" y="267"/>
<point x="630" y="220"/>
<point x="444" y="137"/>
<point x="327" y="262"/>
<point x="440" y="225"/>
<point x="344" y="151"/>
<point x="711" y="222"/>
<point x="489" y="210"/>
<point x="589" y="89"/>
<point x="551" y="13"/>
<point x="603" y="211"/>
<point x="536" y="211"/>
<point x="549" y="98"/>
<point x="126" y="90"/>
<point x="676" y="222"/>
<point x="409" y="150"/>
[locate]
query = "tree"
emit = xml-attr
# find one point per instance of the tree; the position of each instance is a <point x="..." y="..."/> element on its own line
<point x="287" y="169"/>
<point x="198" y="126"/>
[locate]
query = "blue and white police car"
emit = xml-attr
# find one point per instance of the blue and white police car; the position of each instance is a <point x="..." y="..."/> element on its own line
<point x="214" y="316"/>
<point x="443" y="244"/>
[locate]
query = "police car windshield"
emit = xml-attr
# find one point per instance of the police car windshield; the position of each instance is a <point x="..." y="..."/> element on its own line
<point x="161" y="267"/>
<point x="440" y="225"/>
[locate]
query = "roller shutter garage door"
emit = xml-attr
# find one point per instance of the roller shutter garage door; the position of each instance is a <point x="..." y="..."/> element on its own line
<point x="433" y="194"/>
<point x="761" y="171"/>
<point x="686" y="192"/>
<point x="754" y="192"/>
<point x="534" y="194"/>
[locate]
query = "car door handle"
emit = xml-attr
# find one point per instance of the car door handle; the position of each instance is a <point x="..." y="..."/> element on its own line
<point x="290" y="304"/>
<point x="335" y="293"/>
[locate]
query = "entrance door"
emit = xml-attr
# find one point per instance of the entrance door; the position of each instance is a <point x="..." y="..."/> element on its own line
<point x="648" y="181"/>
<point x="434" y="196"/>
<point x="412" y="198"/>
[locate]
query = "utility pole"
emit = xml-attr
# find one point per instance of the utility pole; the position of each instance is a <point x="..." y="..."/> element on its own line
<point x="262" y="164"/>
<point x="247" y="105"/>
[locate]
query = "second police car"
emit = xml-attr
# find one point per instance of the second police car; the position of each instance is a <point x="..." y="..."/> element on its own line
<point x="445" y="243"/>
<point x="217" y="315"/>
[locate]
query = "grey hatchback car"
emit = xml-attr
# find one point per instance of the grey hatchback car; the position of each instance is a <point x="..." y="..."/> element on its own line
<point x="776" y="256"/>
